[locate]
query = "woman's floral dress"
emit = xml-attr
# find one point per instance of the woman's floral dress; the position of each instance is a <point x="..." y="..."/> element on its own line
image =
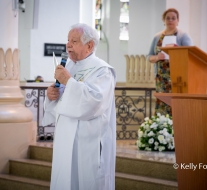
<point x="163" y="82"/>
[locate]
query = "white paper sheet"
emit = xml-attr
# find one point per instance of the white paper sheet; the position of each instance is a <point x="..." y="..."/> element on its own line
<point x="168" y="40"/>
<point x="55" y="61"/>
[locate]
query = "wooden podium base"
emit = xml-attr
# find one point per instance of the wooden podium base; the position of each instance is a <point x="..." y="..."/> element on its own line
<point x="189" y="114"/>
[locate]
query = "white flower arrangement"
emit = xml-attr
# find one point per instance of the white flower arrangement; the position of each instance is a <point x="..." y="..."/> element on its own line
<point x="156" y="134"/>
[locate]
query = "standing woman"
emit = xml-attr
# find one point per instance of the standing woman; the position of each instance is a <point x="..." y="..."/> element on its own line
<point x="161" y="65"/>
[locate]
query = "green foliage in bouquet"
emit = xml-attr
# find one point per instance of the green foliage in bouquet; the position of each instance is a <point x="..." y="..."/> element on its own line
<point x="156" y="134"/>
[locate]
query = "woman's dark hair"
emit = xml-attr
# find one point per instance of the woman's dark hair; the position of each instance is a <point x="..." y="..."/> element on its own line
<point x="39" y="78"/>
<point x="170" y="10"/>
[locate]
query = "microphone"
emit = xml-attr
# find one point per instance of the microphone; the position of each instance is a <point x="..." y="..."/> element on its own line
<point x="64" y="56"/>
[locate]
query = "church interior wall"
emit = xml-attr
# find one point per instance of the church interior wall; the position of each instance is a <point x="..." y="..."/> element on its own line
<point x="53" y="29"/>
<point x="145" y="21"/>
<point x="55" y="17"/>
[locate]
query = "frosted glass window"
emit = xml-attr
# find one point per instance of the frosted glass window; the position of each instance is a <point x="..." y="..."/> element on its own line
<point x="98" y="17"/>
<point x="124" y="31"/>
<point x="124" y="20"/>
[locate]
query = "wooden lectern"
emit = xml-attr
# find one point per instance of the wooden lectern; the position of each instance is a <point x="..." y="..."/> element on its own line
<point x="190" y="134"/>
<point x="188" y="71"/>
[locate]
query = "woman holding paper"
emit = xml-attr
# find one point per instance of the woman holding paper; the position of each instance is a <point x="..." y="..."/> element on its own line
<point x="173" y="36"/>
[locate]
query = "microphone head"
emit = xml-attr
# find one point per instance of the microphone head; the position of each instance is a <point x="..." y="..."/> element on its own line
<point x="64" y="55"/>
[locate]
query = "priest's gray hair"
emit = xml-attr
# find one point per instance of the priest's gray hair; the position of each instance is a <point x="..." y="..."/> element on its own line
<point x="88" y="34"/>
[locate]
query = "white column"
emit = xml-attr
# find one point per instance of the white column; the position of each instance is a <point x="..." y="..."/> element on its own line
<point x="8" y="26"/>
<point x="25" y="27"/>
<point x="145" y="21"/>
<point x="117" y="48"/>
<point x="87" y="12"/>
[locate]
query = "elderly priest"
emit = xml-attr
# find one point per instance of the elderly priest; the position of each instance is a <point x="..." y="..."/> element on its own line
<point x="83" y="108"/>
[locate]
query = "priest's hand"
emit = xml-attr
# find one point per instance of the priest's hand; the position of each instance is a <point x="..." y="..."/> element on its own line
<point x="52" y="92"/>
<point x="62" y="75"/>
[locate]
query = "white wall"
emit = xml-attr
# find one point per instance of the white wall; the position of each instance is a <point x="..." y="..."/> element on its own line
<point x="8" y="26"/>
<point x="55" y="18"/>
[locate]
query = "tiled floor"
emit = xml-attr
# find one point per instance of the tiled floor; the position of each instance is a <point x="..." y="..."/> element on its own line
<point x="128" y="148"/>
